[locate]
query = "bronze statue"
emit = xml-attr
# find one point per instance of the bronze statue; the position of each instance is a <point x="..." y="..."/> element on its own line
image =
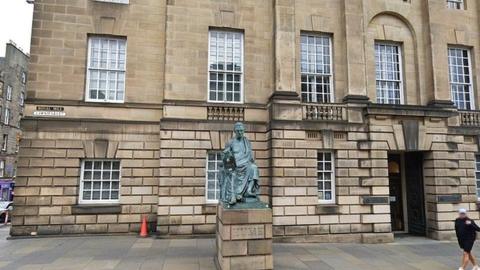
<point x="238" y="177"/>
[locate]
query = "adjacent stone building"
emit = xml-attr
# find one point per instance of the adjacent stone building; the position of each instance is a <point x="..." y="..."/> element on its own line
<point x="362" y="115"/>
<point x="13" y="79"/>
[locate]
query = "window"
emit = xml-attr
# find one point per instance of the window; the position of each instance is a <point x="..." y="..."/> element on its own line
<point x="213" y="164"/>
<point x="22" y="98"/>
<point x="100" y="181"/>
<point x="316" y="68"/>
<point x="456" y="4"/>
<point x="477" y="174"/>
<point x="326" y="177"/>
<point x="6" y="116"/>
<point x="106" y="69"/>
<point x="4" y="142"/>
<point x="460" y="78"/>
<point x="2" y="168"/>
<point x="388" y="65"/>
<point x="225" y="67"/>
<point x="24" y="77"/>
<point x="9" y="92"/>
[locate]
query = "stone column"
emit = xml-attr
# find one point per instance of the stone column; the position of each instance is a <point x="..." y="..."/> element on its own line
<point x="355" y="51"/>
<point x="285" y="45"/>
<point x="437" y="48"/>
<point x="285" y="102"/>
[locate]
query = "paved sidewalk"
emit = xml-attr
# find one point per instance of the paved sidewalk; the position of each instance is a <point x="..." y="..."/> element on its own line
<point x="129" y="252"/>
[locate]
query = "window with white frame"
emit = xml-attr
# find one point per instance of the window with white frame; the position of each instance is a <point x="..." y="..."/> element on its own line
<point x="326" y="177"/>
<point x="24" y="77"/>
<point x="316" y="68"/>
<point x="225" y="68"/>
<point x="456" y="4"/>
<point x="100" y="181"/>
<point x="6" y="116"/>
<point x="9" y="92"/>
<point x="2" y="168"/>
<point x="106" y="69"/>
<point x="389" y="81"/>
<point x="477" y="174"/>
<point x="22" y="99"/>
<point x="460" y="75"/>
<point x="5" y="142"/>
<point x="214" y="159"/>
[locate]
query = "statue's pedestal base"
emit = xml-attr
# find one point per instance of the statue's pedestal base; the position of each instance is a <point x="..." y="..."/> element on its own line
<point x="244" y="239"/>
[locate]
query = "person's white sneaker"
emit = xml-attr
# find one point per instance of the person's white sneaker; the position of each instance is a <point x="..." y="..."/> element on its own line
<point x="476" y="267"/>
<point x="461" y="268"/>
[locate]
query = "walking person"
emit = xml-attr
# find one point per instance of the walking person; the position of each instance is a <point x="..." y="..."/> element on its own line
<point x="466" y="230"/>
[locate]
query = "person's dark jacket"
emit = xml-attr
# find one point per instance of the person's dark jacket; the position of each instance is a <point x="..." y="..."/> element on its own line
<point x="466" y="230"/>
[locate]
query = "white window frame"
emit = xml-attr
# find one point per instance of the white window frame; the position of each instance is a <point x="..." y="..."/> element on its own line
<point x="22" y="99"/>
<point x="24" y="77"/>
<point x="5" y="142"/>
<point x="456" y="4"/>
<point x="477" y="175"/>
<point x="316" y="74"/>
<point x="6" y="117"/>
<point x="9" y="92"/>
<point x="2" y="168"/>
<point x="241" y="72"/>
<point x="400" y="69"/>
<point x="80" y="195"/>
<point x="332" y="172"/>
<point x="470" y="71"/>
<point x="216" y="171"/>
<point x="90" y="69"/>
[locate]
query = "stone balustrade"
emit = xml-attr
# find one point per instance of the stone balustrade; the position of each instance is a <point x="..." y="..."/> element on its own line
<point x="470" y="118"/>
<point x="225" y="113"/>
<point x="325" y="112"/>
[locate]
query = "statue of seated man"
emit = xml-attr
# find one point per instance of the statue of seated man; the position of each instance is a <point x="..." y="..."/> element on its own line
<point x="239" y="173"/>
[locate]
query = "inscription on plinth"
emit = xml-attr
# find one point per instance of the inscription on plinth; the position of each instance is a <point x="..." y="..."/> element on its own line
<point x="244" y="239"/>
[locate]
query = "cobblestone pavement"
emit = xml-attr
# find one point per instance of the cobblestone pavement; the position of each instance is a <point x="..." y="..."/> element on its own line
<point x="130" y="252"/>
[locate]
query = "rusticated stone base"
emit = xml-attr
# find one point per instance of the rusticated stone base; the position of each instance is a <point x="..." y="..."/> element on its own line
<point x="244" y="239"/>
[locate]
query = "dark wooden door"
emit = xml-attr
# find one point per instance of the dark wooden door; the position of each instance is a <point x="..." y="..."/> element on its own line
<point x="396" y="200"/>
<point x="415" y="193"/>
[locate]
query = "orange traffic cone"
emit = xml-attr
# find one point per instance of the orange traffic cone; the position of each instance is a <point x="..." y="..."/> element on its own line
<point x="143" y="228"/>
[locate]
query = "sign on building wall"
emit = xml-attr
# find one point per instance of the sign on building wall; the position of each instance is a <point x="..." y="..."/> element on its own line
<point x="51" y="111"/>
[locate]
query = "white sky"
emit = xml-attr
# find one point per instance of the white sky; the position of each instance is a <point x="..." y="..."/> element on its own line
<point x="15" y="24"/>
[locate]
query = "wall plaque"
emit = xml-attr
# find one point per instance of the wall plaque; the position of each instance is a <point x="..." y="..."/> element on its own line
<point x="375" y="200"/>
<point x="454" y="198"/>
<point x="52" y="111"/>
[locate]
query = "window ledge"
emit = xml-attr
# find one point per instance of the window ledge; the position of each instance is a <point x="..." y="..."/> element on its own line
<point x="325" y="209"/>
<point x="89" y="209"/>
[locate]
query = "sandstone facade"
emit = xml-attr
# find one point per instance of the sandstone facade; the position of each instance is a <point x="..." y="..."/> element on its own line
<point x="164" y="129"/>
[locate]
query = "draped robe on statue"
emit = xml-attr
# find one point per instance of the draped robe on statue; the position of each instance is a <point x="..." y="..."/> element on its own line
<point x="239" y="175"/>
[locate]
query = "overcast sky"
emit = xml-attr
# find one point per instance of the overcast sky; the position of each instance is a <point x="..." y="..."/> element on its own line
<point x="15" y="24"/>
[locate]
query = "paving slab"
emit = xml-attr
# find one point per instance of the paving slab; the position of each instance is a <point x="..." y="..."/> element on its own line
<point x="131" y="252"/>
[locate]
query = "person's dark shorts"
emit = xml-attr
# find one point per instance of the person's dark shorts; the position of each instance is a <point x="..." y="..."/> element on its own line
<point x="467" y="245"/>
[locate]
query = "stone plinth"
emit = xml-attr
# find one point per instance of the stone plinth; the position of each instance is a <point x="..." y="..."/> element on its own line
<point x="244" y="239"/>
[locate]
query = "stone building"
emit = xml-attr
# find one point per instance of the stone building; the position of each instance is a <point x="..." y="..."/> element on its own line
<point x="361" y="114"/>
<point x="13" y="79"/>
